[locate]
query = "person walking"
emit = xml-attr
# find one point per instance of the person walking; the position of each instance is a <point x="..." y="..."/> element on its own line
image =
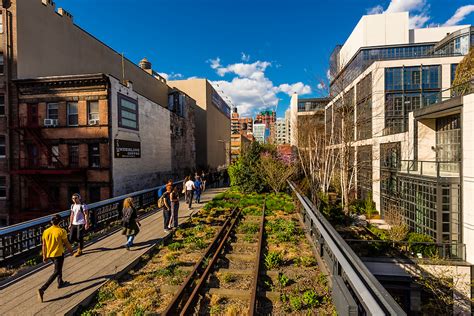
<point x="185" y="193"/>
<point x="203" y="180"/>
<point x="130" y="222"/>
<point x="54" y="239"/>
<point x="167" y="209"/>
<point x="189" y="192"/>
<point x="198" y="189"/>
<point x="174" y="197"/>
<point x="78" y="222"/>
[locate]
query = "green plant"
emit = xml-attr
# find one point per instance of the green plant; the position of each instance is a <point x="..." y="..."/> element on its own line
<point x="175" y="246"/>
<point x="310" y="298"/>
<point x="244" y="173"/>
<point x="284" y="298"/>
<point x="249" y="228"/>
<point x="421" y="244"/>
<point x="296" y="302"/>
<point x="306" y="261"/>
<point x="273" y="260"/>
<point x="283" y="279"/>
<point x="249" y="238"/>
<point x="252" y="210"/>
<point x="228" y="277"/>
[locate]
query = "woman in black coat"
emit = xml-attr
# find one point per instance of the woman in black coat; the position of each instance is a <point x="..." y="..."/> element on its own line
<point x="130" y="222"/>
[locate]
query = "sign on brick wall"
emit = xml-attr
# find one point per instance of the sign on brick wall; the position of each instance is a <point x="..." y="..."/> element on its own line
<point x="127" y="149"/>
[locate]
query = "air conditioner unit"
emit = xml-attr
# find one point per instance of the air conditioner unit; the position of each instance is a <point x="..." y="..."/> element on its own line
<point x="51" y="122"/>
<point x="94" y="122"/>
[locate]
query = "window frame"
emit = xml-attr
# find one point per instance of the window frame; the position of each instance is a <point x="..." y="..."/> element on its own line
<point x="69" y="114"/>
<point x="89" y="112"/>
<point x="3" y="186"/>
<point x="48" y="109"/>
<point x="93" y="156"/>
<point x="70" y="146"/>
<point x="121" y="108"/>
<point x="4" y="145"/>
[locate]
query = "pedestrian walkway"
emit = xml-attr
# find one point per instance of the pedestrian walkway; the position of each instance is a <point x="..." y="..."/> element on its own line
<point x="103" y="260"/>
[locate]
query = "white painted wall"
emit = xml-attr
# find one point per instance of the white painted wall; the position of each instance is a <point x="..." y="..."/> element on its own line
<point x="132" y="174"/>
<point x="294" y="120"/>
<point x="434" y="34"/>
<point x="468" y="175"/>
<point x="375" y="30"/>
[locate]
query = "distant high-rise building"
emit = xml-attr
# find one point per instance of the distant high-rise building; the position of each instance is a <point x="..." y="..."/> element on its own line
<point x="260" y="132"/>
<point x="266" y="117"/>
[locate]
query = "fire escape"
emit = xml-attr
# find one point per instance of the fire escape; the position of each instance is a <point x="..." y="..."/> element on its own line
<point x="37" y="160"/>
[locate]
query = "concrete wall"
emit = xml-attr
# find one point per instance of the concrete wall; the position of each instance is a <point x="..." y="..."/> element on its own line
<point x="375" y="30"/>
<point x="468" y="175"/>
<point x="64" y="49"/>
<point x="154" y="166"/>
<point x="212" y="126"/>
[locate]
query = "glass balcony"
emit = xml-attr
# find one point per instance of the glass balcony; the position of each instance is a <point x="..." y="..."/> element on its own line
<point x="438" y="169"/>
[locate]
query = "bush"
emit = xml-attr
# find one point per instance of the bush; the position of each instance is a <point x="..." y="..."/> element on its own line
<point x="427" y="250"/>
<point x="273" y="260"/>
<point x="244" y="173"/>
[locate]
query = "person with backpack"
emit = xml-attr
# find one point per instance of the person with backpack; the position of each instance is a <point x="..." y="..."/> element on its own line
<point x="166" y="205"/>
<point x="189" y="192"/>
<point x="78" y="222"/>
<point x="197" y="189"/>
<point x="130" y="222"/>
<point x="174" y="197"/>
<point x="54" y="239"/>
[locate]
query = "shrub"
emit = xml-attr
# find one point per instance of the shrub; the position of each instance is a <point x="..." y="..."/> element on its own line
<point x="296" y="303"/>
<point x="249" y="228"/>
<point x="273" y="260"/>
<point x="415" y="243"/>
<point x="283" y="279"/>
<point x="175" y="246"/>
<point x="310" y="298"/>
<point x="244" y="173"/>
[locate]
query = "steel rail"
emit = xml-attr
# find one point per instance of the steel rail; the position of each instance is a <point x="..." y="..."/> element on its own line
<point x="210" y="265"/>
<point x="182" y="297"/>
<point x="253" y="295"/>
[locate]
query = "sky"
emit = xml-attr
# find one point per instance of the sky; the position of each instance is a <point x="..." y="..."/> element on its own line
<point x="256" y="53"/>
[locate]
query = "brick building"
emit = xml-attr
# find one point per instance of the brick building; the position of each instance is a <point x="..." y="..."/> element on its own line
<point x="95" y="135"/>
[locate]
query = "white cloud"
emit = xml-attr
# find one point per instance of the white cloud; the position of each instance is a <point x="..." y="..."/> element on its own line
<point x="215" y="63"/>
<point x="171" y="76"/>
<point x="244" y="57"/>
<point x="321" y="86"/>
<point x="405" y="5"/>
<point x="459" y="15"/>
<point x="418" y="9"/>
<point x="250" y="89"/>
<point x="375" y="10"/>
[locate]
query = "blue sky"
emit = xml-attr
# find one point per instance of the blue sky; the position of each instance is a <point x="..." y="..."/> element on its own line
<point x="256" y="52"/>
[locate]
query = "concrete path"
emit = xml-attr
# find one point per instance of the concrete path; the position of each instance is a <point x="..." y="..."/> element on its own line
<point x="103" y="260"/>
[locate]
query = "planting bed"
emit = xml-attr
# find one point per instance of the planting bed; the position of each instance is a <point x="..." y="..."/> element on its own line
<point x="290" y="282"/>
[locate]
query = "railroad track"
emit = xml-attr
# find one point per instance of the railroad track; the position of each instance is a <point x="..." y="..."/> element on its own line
<point x="235" y="252"/>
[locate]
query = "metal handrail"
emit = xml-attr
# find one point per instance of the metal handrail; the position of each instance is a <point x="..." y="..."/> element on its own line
<point x="371" y="295"/>
<point x="19" y="239"/>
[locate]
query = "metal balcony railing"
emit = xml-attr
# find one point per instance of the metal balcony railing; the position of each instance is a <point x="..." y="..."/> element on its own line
<point x="438" y="169"/>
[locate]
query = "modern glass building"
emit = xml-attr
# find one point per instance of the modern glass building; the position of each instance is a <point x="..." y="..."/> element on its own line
<point x="385" y="79"/>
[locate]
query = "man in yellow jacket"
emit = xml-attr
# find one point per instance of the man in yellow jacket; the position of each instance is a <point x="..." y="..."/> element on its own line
<point x="54" y="239"/>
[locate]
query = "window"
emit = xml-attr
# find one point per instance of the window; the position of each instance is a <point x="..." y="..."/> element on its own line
<point x="1" y="22"/>
<point x="2" y="104"/>
<point x="93" y="110"/>
<point x="94" y="194"/>
<point x="128" y="112"/>
<point x="453" y="72"/>
<point x="94" y="155"/>
<point x="2" y="146"/>
<point x="3" y="187"/>
<point x="72" y="114"/>
<point x="74" y="156"/>
<point x="54" y="154"/>
<point x="1" y="64"/>
<point x="52" y="111"/>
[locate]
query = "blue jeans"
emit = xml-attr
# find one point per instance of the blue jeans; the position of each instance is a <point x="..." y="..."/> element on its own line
<point x="198" y="196"/>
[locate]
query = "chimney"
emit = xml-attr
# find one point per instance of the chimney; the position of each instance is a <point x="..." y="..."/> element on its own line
<point x="145" y="65"/>
<point x="65" y="14"/>
<point x="49" y="3"/>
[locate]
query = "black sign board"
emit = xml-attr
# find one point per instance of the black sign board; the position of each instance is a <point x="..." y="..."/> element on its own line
<point x="127" y="149"/>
